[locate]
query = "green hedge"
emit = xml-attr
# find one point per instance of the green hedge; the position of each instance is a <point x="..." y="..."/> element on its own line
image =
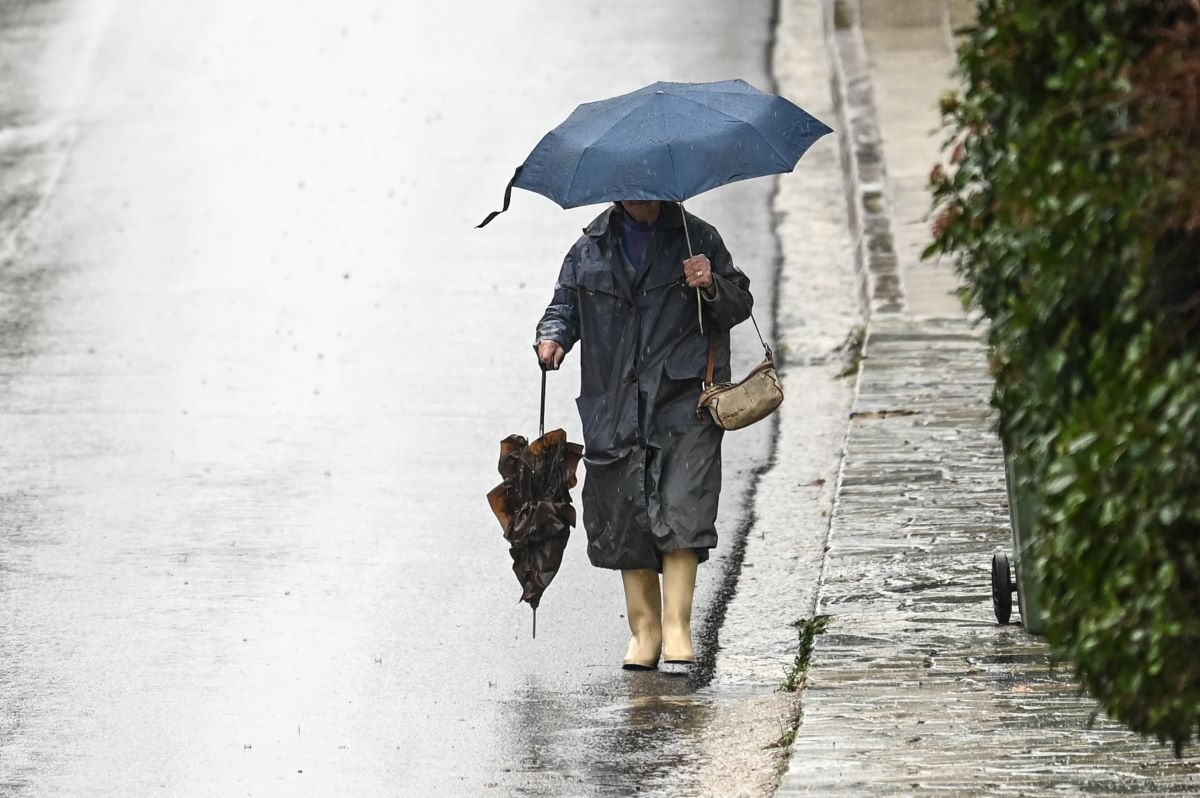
<point x="1068" y="205"/>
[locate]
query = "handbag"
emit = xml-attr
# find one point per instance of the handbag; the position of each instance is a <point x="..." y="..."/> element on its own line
<point x="734" y="405"/>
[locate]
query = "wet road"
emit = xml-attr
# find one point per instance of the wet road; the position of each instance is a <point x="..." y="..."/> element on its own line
<point x="254" y="367"/>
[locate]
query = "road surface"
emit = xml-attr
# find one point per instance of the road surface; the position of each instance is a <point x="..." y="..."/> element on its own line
<point x="255" y="363"/>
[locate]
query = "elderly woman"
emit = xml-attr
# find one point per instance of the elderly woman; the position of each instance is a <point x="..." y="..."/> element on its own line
<point x="627" y="294"/>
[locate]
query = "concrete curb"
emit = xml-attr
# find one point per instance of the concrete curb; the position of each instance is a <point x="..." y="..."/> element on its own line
<point x="875" y="260"/>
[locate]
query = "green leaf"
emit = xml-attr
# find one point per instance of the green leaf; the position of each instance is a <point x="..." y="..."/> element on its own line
<point x="1059" y="485"/>
<point x="1082" y="442"/>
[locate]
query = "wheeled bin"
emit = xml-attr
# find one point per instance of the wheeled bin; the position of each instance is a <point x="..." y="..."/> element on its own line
<point x="1023" y="512"/>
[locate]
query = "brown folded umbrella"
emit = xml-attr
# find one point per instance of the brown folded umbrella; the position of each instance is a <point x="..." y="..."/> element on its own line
<point x="533" y="505"/>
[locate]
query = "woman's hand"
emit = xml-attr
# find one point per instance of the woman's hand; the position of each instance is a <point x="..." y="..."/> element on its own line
<point x="698" y="271"/>
<point x="550" y="353"/>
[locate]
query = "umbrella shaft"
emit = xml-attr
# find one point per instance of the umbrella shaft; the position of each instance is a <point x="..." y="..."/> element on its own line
<point x="542" y="413"/>
<point x="687" y="237"/>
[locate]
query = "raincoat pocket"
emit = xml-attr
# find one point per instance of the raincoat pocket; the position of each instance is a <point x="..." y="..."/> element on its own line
<point x="689" y="359"/>
<point x="609" y="310"/>
<point x="610" y="426"/>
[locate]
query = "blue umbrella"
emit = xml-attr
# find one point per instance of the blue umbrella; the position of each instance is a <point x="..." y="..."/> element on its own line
<point x="667" y="141"/>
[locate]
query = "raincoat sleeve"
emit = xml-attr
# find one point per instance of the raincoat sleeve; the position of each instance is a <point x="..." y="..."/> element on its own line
<point x="730" y="301"/>
<point x="560" y="322"/>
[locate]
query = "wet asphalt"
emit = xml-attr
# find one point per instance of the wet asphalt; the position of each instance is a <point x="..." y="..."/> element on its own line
<point x="255" y="364"/>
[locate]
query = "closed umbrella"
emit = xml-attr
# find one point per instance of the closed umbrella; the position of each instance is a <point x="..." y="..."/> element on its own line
<point x="533" y="504"/>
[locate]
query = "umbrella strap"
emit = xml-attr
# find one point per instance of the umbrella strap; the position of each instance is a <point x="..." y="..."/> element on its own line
<point x="507" y="198"/>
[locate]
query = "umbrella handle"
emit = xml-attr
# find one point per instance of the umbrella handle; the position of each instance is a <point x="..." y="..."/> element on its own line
<point x="542" y="414"/>
<point x="687" y="237"/>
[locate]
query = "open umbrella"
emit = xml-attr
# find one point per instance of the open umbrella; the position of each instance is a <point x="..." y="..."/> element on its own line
<point x="666" y="141"/>
<point x="533" y="504"/>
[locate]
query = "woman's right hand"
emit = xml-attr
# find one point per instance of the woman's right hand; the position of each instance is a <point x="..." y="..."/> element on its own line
<point x="550" y="353"/>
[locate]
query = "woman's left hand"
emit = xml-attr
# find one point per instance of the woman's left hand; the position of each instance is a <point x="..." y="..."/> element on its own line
<point x="698" y="271"/>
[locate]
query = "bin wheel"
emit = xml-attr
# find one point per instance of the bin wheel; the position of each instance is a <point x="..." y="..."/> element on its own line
<point x="1002" y="587"/>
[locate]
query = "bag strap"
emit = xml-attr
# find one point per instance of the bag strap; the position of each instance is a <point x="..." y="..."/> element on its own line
<point x="766" y="348"/>
<point x="712" y="344"/>
<point x="712" y="351"/>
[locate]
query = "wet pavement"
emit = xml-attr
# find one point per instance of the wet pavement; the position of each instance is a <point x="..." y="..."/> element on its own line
<point x="256" y="365"/>
<point x="914" y="689"/>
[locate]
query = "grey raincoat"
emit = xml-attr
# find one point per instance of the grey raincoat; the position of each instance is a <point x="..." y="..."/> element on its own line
<point x="653" y="466"/>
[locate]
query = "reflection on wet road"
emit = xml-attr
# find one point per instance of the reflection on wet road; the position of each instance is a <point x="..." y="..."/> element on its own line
<point x="256" y="364"/>
<point x="566" y="744"/>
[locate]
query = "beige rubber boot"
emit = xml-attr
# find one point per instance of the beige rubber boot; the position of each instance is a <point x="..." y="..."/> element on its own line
<point x="643" y="607"/>
<point x="679" y="584"/>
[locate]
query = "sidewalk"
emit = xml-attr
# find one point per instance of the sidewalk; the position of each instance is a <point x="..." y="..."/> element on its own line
<point x="914" y="688"/>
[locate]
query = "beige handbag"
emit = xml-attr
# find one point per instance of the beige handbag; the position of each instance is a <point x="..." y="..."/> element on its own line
<point x="736" y="405"/>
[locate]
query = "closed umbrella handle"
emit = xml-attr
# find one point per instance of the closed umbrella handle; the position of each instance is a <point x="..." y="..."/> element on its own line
<point x="542" y="413"/>
<point x="541" y="434"/>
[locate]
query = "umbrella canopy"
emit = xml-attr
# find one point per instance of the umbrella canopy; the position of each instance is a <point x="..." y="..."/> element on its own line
<point x="533" y="505"/>
<point x="667" y="141"/>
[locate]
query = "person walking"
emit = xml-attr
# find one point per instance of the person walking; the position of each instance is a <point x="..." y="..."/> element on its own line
<point x="627" y="294"/>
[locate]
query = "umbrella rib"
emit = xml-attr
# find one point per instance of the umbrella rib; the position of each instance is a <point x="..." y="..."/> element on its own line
<point x="738" y="119"/>
<point x="587" y="147"/>
<point x="674" y="171"/>
<point x="575" y="174"/>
